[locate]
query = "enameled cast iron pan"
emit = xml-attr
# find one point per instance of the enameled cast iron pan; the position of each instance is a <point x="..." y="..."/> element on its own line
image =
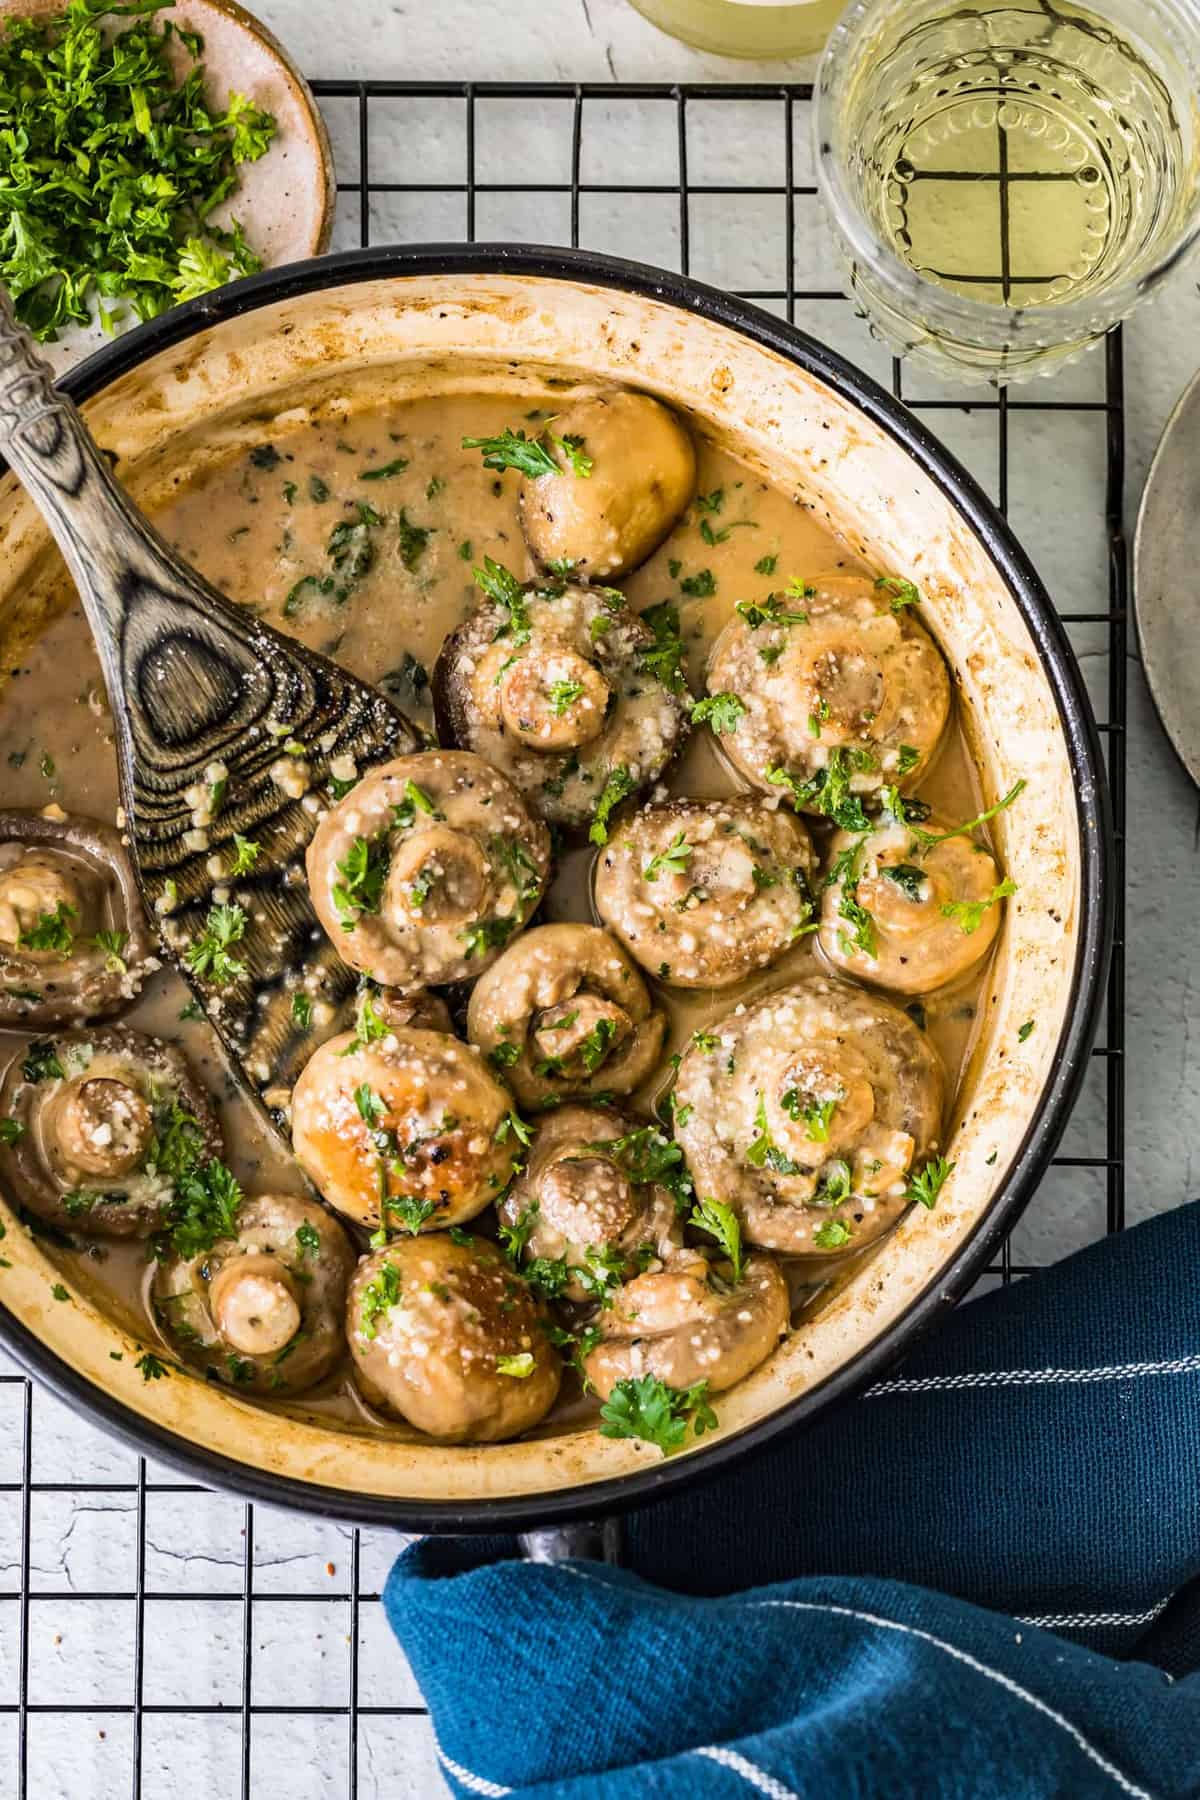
<point x="398" y="323"/>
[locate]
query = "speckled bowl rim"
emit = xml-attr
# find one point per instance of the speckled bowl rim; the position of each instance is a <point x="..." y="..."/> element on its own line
<point x="1093" y="936"/>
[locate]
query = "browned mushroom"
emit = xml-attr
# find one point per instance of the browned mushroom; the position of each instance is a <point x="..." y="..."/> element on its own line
<point x="564" y="1012"/>
<point x="73" y="938"/>
<point x="262" y="1310"/>
<point x="426" y="868"/>
<point x="616" y="500"/>
<point x="556" y="685"/>
<point x="705" y="892"/>
<point x="689" y="1322"/>
<point x="840" y="689"/>
<point x="406" y="1132"/>
<point x="579" y="1202"/>
<point x="444" y="1334"/>
<point x="906" y="913"/>
<point x="810" y="1113"/>
<point x="95" y="1126"/>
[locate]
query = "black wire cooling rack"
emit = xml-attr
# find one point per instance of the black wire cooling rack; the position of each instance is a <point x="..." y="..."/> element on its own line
<point x="149" y="1629"/>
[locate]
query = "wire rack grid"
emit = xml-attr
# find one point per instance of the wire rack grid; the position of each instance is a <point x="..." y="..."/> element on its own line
<point x="149" y="1627"/>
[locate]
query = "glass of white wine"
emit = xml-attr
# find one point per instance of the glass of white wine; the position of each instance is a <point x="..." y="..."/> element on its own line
<point x="751" y="28"/>
<point x="1008" y="178"/>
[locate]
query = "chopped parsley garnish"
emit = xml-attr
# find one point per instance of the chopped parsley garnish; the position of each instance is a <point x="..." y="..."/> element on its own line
<point x="513" y="1124"/>
<point x="817" y="717"/>
<point x="318" y="490"/>
<point x="827" y="791"/>
<point x="907" y="877"/>
<point x="832" y="1234"/>
<point x="529" y="456"/>
<point x="648" y="1155"/>
<point x="705" y="1042"/>
<point x="816" y="1114"/>
<point x="501" y="586"/>
<point x="397" y="466"/>
<point x="645" y="1407"/>
<point x="153" y="1368"/>
<point x="618" y="786"/>
<point x="113" y="944"/>
<point x="968" y="914"/>
<point x="710" y="503"/>
<point x="601" y="1273"/>
<point x="664" y="658"/>
<point x="764" y="1152"/>
<point x="41" y="1061"/>
<point x="206" y="1198"/>
<point x="351" y="550"/>
<point x="563" y="695"/>
<point x="11" y="1130"/>
<point x="245" y="854"/>
<point x="487" y="934"/>
<point x="771" y="612"/>
<point x="596" y="1045"/>
<point x="384" y="1290"/>
<point x="111" y="165"/>
<point x="503" y="1056"/>
<point x="926" y="1186"/>
<point x="907" y="759"/>
<point x="573" y="453"/>
<point x="517" y="864"/>
<point x="208" y="957"/>
<point x="720" y="1222"/>
<point x="699" y="586"/>
<point x="901" y="592"/>
<point x="519" y="1366"/>
<point x="766" y="565"/>
<point x="413" y="540"/>
<point x="308" y="1238"/>
<point x="515" y="1237"/>
<point x="927" y="839"/>
<point x="410" y="1209"/>
<point x="301" y="1011"/>
<point x="675" y="859"/>
<point x="835" y="1184"/>
<point x="415" y="801"/>
<point x="721" y="711"/>
<point x="363" y="870"/>
<point x="1024" y="1030"/>
<point x="52" y="931"/>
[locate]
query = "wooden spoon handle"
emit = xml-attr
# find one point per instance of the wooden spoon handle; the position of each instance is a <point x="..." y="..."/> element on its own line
<point x="111" y="551"/>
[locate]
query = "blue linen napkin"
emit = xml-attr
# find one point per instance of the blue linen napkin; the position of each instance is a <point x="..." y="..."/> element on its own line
<point x="982" y="1578"/>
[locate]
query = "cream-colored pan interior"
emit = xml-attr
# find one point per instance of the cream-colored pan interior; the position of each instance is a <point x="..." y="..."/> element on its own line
<point x="423" y="334"/>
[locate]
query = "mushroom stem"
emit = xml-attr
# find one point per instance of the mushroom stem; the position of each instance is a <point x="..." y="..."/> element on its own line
<point x="101" y="1126"/>
<point x="254" y="1304"/>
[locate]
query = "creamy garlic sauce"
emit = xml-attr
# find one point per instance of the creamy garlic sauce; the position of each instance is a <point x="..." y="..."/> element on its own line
<point x="259" y="527"/>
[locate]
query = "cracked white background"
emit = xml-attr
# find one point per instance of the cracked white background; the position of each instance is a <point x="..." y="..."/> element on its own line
<point x="85" y="1543"/>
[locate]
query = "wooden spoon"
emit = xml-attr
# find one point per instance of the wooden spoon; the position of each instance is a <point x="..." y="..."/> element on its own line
<point x="194" y="681"/>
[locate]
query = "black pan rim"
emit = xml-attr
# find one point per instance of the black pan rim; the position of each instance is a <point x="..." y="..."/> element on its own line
<point x="1093" y="944"/>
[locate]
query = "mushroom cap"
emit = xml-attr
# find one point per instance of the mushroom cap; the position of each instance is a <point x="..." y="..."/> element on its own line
<point x="849" y="684"/>
<point x="447" y="1336"/>
<point x="809" y="1115"/>
<point x="576" y="1196"/>
<point x="77" y="871"/>
<point x="681" y="1325"/>
<point x="565" y="1011"/>
<point x="262" y="1311"/>
<point x="643" y="474"/>
<point x="414" y="1117"/>
<point x="924" y="930"/>
<point x="455" y="864"/>
<point x="562" y="709"/>
<point x="733" y="897"/>
<point x="91" y="1108"/>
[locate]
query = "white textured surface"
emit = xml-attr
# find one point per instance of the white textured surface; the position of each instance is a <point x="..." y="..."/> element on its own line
<point x="81" y="1650"/>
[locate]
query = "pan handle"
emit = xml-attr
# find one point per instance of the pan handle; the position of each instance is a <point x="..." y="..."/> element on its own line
<point x="591" y="1540"/>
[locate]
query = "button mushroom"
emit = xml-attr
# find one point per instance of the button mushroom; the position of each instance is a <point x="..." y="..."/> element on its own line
<point x="96" y="1127"/>
<point x="703" y="893"/>
<point x="405" y="1132"/>
<point x="73" y="938"/>
<point x="691" y="1322"/>
<point x="564" y="1012"/>
<point x="444" y="1334"/>
<point x="556" y="686"/>
<point x="262" y="1309"/>
<point x="579" y="1203"/>
<point x="811" y="1114"/>
<point x="642" y="474"/>
<point x="906" y="913"/>
<point x="840" y="693"/>
<point x="426" y="868"/>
